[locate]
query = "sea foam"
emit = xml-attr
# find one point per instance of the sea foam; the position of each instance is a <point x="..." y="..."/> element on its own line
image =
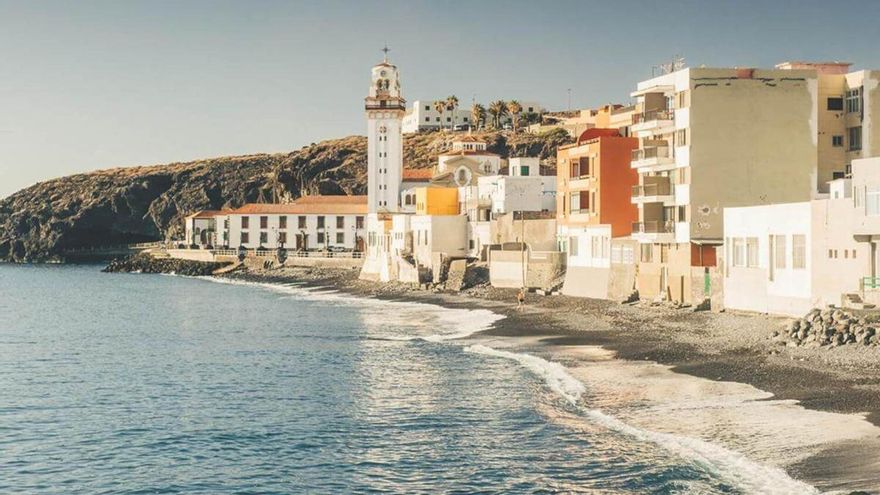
<point x="728" y="465"/>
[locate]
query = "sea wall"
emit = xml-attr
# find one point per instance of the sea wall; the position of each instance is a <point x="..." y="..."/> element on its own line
<point x="144" y="263"/>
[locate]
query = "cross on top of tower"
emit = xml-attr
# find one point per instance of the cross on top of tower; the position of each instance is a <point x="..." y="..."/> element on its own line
<point x="386" y="50"/>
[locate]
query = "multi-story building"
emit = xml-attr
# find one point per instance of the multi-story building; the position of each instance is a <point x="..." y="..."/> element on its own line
<point x="423" y="116"/>
<point x="711" y="139"/>
<point x="848" y="107"/>
<point x="595" y="185"/>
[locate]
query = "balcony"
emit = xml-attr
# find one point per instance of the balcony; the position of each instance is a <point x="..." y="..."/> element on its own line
<point x="657" y="156"/>
<point x="653" y="190"/>
<point x="652" y="120"/>
<point x="662" y="231"/>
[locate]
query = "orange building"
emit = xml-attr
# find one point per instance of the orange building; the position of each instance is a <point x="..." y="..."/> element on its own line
<point x="594" y="182"/>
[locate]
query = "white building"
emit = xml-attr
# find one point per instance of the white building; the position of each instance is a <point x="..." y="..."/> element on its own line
<point x="310" y="223"/>
<point x="435" y="235"/>
<point x="384" y="108"/>
<point x="423" y="117"/>
<point x="767" y="259"/>
<point x="201" y="228"/>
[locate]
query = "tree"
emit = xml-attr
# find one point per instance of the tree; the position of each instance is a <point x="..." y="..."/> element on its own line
<point x="452" y="106"/>
<point x="440" y="107"/>
<point x="514" y="109"/>
<point x="498" y="110"/>
<point x="478" y="115"/>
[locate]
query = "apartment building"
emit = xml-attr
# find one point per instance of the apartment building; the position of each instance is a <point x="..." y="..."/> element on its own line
<point x="848" y="109"/>
<point x="710" y="139"/>
<point x="594" y="199"/>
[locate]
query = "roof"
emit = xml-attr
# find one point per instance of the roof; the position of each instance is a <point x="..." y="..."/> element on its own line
<point x="597" y="132"/>
<point x="417" y="174"/>
<point x="468" y="139"/>
<point x="208" y="213"/>
<point x="469" y="153"/>
<point x="318" y="205"/>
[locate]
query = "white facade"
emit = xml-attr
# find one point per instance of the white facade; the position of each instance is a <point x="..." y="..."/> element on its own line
<point x="587" y="246"/>
<point x="293" y="231"/>
<point x="200" y="230"/>
<point x="384" y="107"/>
<point x="423" y="117"/>
<point x="768" y="258"/>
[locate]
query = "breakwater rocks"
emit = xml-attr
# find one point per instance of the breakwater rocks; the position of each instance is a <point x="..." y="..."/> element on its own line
<point x="144" y="263"/>
<point x="830" y="327"/>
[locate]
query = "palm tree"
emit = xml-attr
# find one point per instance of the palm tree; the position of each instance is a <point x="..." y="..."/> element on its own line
<point x="514" y="109"/>
<point x="497" y="109"/>
<point x="452" y="106"/>
<point x="440" y="106"/>
<point x="478" y="115"/>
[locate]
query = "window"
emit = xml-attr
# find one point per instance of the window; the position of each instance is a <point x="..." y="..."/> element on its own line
<point x="427" y="119"/>
<point x="779" y="251"/>
<point x="264" y="222"/>
<point x="681" y="137"/>
<point x="282" y="237"/>
<point x="340" y="222"/>
<point x="572" y="246"/>
<point x="282" y="222"/>
<point x="358" y="222"/>
<point x="301" y="222"/>
<point x="438" y="119"/>
<point x="264" y="238"/>
<point x="664" y="253"/>
<point x="646" y="253"/>
<point x="524" y="170"/>
<point x="682" y="213"/>
<point x="682" y="99"/>
<point x="245" y="238"/>
<point x="245" y="222"/>
<point x="830" y="254"/>
<point x="855" y="138"/>
<point x="448" y="119"/>
<point x="340" y="238"/>
<point x="799" y="251"/>
<point x="854" y="100"/>
<point x="835" y="103"/>
<point x="320" y="238"/>
<point x="837" y="141"/>
<point x="872" y="201"/>
<point x="752" y="252"/>
<point x="739" y="251"/>
<point x="321" y="222"/>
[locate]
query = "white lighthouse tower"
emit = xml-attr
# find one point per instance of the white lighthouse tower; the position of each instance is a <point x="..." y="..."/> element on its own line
<point x="385" y="108"/>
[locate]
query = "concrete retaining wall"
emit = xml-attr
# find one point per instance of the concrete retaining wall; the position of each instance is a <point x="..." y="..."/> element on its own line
<point x="541" y="268"/>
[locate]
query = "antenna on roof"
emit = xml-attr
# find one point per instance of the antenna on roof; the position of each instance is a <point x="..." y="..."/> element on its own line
<point x="676" y="65"/>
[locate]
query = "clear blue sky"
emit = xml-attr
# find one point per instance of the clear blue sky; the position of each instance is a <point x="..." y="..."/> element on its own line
<point x="88" y="84"/>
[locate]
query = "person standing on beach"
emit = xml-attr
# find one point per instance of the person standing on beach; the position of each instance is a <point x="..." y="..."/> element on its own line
<point x="520" y="299"/>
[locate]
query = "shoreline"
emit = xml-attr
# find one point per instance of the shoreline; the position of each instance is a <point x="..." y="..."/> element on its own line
<point x="722" y="347"/>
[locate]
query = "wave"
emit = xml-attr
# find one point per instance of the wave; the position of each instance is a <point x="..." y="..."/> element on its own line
<point x="383" y="314"/>
<point x="728" y="465"/>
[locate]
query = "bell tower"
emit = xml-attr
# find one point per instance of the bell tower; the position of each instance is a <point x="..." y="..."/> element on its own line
<point x="385" y="108"/>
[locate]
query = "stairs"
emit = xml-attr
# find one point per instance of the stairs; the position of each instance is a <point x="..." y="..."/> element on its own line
<point x="854" y="301"/>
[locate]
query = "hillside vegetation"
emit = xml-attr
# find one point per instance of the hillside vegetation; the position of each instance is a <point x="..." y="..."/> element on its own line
<point x="136" y="204"/>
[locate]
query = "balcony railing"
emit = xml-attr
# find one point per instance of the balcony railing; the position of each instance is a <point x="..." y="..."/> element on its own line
<point x="655" y="189"/>
<point x="654" y="227"/>
<point x="385" y="105"/>
<point x="650" y="152"/>
<point x="651" y="115"/>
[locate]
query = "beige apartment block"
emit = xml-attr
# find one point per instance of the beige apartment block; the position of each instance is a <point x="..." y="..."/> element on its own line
<point x="848" y="106"/>
<point x="717" y="138"/>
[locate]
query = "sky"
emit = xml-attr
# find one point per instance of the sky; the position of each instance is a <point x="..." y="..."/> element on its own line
<point x="96" y="84"/>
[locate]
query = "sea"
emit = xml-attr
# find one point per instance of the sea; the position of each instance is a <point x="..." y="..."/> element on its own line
<point x="149" y="384"/>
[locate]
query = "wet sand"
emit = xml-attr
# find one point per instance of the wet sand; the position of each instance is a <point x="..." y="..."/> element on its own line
<point x="725" y="347"/>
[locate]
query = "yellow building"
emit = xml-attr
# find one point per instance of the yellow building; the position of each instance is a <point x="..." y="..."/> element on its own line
<point x="437" y="201"/>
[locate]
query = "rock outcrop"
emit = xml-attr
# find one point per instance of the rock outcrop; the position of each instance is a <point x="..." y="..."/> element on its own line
<point x="144" y="263"/>
<point x="137" y="204"/>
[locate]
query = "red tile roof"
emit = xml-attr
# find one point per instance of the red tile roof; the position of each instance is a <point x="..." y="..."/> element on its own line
<point x="417" y="174"/>
<point x="208" y="213"/>
<point x="468" y="153"/>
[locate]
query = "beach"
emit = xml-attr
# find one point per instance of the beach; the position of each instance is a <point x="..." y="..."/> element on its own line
<point x="720" y="348"/>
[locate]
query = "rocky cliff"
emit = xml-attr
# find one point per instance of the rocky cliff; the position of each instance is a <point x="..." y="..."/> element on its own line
<point x="137" y="204"/>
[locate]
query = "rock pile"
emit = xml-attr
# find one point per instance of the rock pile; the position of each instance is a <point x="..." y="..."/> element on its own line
<point x="831" y="327"/>
<point x="144" y="263"/>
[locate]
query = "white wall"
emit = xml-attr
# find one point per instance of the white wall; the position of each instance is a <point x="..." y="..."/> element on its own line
<point x="787" y="290"/>
<point x="587" y="246"/>
<point x="348" y="231"/>
<point x="438" y="234"/>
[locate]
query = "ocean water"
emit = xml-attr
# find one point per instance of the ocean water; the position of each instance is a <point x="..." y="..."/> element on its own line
<point x="117" y="383"/>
